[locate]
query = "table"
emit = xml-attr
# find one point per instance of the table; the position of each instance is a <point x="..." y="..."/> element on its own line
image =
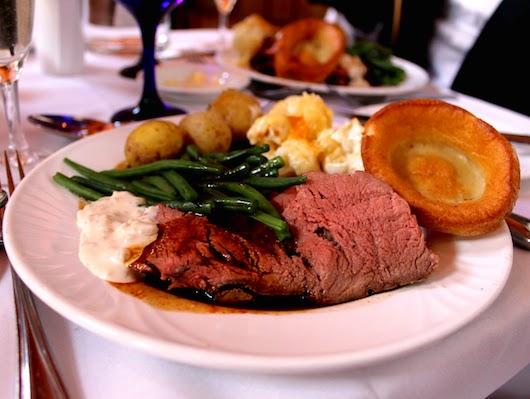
<point x="470" y="363"/>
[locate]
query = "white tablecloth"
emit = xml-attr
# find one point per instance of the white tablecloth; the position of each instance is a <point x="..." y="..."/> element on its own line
<point x="470" y="363"/>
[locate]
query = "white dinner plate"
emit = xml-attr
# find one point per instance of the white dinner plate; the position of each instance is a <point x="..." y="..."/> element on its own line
<point x="42" y="240"/>
<point x="182" y="79"/>
<point x="416" y="78"/>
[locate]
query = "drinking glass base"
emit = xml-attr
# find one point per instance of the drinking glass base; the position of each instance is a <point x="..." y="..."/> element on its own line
<point x="27" y="157"/>
<point x="140" y="113"/>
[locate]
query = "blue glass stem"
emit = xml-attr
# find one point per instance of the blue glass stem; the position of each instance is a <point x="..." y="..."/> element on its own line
<point x="150" y="95"/>
<point x="148" y="14"/>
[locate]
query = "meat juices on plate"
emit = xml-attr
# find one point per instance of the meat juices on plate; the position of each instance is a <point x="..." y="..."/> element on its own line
<point x="352" y="236"/>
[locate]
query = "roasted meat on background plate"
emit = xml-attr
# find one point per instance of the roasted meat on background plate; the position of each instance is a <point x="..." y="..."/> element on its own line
<point x="352" y="236"/>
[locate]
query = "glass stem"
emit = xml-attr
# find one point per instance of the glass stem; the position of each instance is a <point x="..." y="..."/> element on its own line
<point x="150" y="94"/>
<point x="223" y="30"/>
<point x="17" y="138"/>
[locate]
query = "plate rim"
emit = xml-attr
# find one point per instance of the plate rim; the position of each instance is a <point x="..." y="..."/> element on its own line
<point x="417" y="71"/>
<point x="222" y="359"/>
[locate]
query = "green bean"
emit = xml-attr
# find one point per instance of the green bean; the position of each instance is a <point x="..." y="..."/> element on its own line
<point x="280" y="226"/>
<point x="274" y="183"/>
<point x="237" y="204"/>
<point x="249" y="192"/>
<point x="204" y="208"/>
<point x="158" y="166"/>
<point x="194" y="152"/>
<point x="270" y="173"/>
<point x="258" y="149"/>
<point x="256" y="159"/>
<point x="239" y="172"/>
<point x="161" y="183"/>
<point x="145" y="189"/>
<point x="94" y="185"/>
<point x="185" y="189"/>
<point x="273" y="163"/>
<point x="108" y="190"/>
<point x="215" y="193"/>
<point x="227" y="157"/>
<point x="98" y="176"/>
<point x="231" y="181"/>
<point x="76" y="188"/>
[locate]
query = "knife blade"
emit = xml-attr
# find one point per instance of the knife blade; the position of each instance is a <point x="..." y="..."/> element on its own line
<point x="520" y="230"/>
<point x="517" y="138"/>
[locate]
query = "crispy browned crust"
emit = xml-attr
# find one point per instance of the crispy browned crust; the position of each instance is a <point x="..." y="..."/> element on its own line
<point x="289" y="63"/>
<point x="249" y="35"/>
<point x="408" y="143"/>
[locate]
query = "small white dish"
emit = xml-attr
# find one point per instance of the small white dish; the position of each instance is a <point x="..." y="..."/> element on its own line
<point x="178" y="78"/>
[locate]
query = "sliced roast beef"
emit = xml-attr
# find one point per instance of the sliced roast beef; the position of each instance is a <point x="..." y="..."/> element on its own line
<point x="352" y="236"/>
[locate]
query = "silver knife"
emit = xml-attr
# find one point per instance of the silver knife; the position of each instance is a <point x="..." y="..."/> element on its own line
<point x="520" y="230"/>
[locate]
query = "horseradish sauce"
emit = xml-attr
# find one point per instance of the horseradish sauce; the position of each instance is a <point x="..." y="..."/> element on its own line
<point x="114" y="231"/>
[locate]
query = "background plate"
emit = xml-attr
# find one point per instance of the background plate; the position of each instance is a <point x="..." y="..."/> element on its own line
<point x="416" y="79"/>
<point x="42" y="242"/>
<point x="179" y="78"/>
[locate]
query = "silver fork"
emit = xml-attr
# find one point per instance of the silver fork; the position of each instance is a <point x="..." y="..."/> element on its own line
<point x="196" y="57"/>
<point x="38" y="376"/>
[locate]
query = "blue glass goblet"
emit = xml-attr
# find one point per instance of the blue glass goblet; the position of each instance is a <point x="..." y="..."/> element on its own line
<point x="148" y="14"/>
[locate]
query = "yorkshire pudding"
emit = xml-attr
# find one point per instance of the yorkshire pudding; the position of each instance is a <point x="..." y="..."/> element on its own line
<point x="249" y="35"/>
<point x="308" y="49"/>
<point x="459" y="175"/>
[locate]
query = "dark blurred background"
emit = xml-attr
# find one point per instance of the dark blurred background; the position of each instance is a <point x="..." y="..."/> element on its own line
<point x="203" y="14"/>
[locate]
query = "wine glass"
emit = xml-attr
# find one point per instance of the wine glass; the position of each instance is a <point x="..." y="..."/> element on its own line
<point x="224" y="8"/>
<point x="148" y="14"/>
<point x="16" y="26"/>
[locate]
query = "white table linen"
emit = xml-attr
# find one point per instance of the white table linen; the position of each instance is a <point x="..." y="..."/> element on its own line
<point x="470" y="363"/>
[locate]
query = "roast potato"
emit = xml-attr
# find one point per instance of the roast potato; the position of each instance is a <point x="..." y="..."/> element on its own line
<point x="152" y="141"/>
<point x="207" y="130"/>
<point x="238" y="109"/>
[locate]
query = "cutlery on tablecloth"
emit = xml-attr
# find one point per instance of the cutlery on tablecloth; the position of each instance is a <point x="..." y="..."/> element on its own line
<point x="275" y="92"/>
<point x="518" y="138"/>
<point x="520" y="230"/>
<point x="38" y="375"/>
<point x="71" y="126"/>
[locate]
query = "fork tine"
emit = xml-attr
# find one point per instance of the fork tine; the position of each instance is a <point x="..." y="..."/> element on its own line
<point x="195" y="57"/>
<point x="38" y="375"/>
<point x="19" y="164"/>
<point x="10" y="182"/>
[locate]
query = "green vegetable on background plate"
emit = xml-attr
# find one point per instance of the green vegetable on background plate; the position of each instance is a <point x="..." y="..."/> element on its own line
<point x="378" y="60"/>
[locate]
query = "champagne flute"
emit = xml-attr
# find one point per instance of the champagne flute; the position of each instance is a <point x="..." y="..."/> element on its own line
<point x="16" y="26"/>
<point x="224" y="8"/>
<point x="148" y="14"/>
